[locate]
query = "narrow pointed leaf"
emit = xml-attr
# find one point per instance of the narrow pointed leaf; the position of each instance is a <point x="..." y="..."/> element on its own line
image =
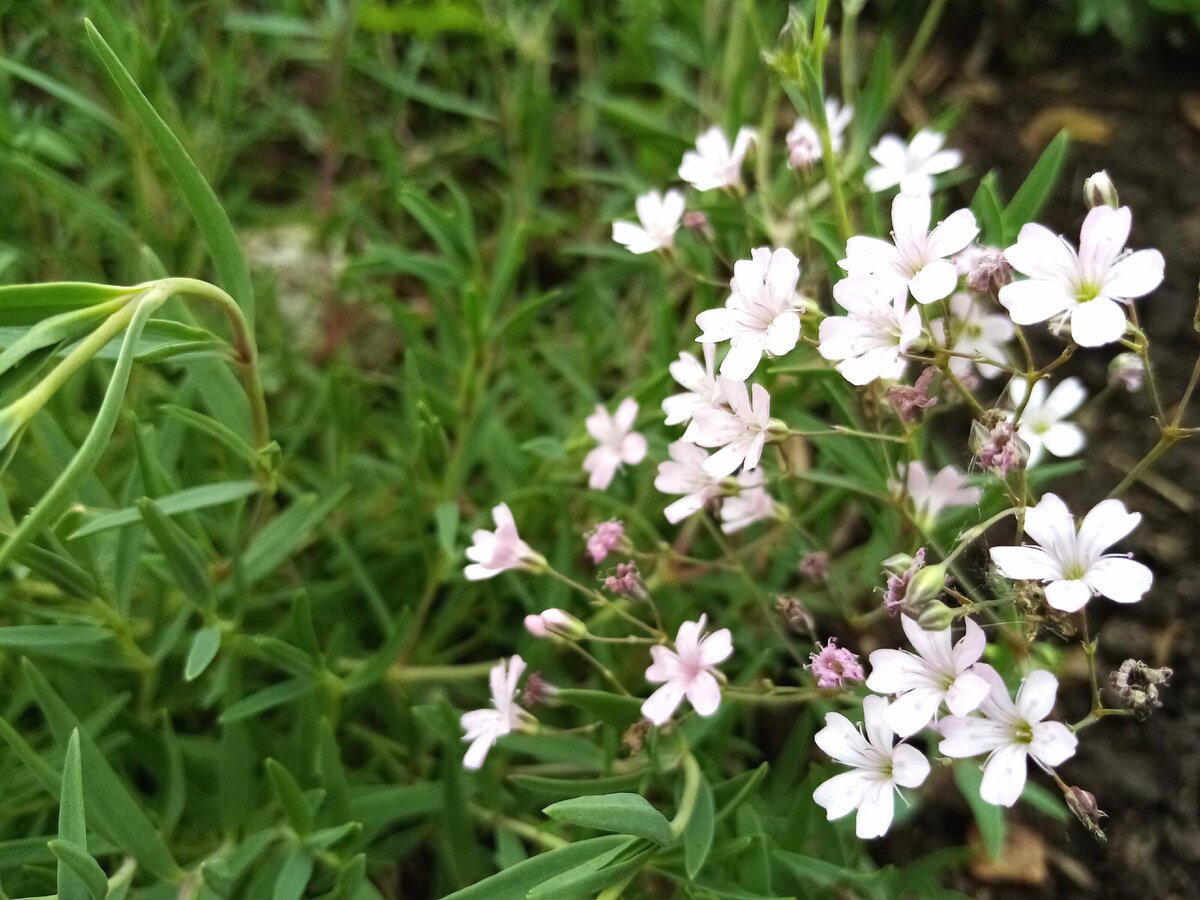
<point x="622" y="813"/>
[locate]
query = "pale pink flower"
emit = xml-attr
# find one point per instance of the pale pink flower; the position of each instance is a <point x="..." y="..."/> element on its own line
<point x="626" y="581"/>
<point x="804" y="142"/>
<point x="1071" y="562"/>
<point x="750" y="504"/>
<point x="878" y="327"/>
<point x="879" y="767"/>
<point x="1009" y="733"/>
<point x="497" y="551"/>
<point x="659" y="215"/>
<point x="618" y="443"/>
<point x="1091" y="287"/>
<point x="686" y="473"/>
<point x="1042" y="426"/>
<point x="762" y="314"/>
<point x="916" y="256"/>
<point x="977" y="332"/>
<point x="701" y="388"/>
<point x="554" y="622"/>
<point x="1000" y="450"/>
<point x="714" y="164"/>
<point x="604" y="538"/>
<point x="833" y="666"/>
<point x="484" y="727"/>
<point x="687" y="671"/>
<point x="939" y="672"/>
<point x="741" y="433"/>
<point x="911" y="166"/>
<point x="929" y="496"/>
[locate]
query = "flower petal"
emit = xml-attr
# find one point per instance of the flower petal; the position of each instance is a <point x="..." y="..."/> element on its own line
<point x="661" y="705"/>
<point x="912" y="710"/>
<point x="842" y="741"/>
<point x="876" y="810"/>
<point x="1068" y="595"/>
<point x="1136" y="275"/>
<point x="1035" y="300"/>
<point x="1120" y="579"/>
<point x="1107" y="523"/>
<point x="1035" y="697"/>
<point x="966" y="693"/>
<point x="716" y="648"/>
<point x="910" y="768"/>
<point x="1053" y="743"/>
<point x="953" y="233"/>
<point x="1004" y="775"/>
<point x="704" y="693"/>
<point x="1025" y="563"/>
<point x="1064" y="439"/>
<point x="843" y="793"/>
<point x="1097" y="322"/>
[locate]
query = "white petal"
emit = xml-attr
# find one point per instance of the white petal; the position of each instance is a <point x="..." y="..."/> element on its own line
<point x="953" y="234"/>
<point x="966" y="693"/>
<point x="478" y="751"/>
<point x="1025" y="563"/>
<point x="625" y="415"/>
<point x="1097" y="322"/>
<point x="1035" y="300"/>
<point x="1068" y="595"/>
<point x="964" y="737"/>
<point x="1136" y="275"/>
<point x="1053" y="743"/>
<point x="601" y="464"/>
<point x="1103" y="235"/>
<point x="1004" y="775"/>
<point x="840" y="740"/>
<point x="910" y="218"/>
<point x="704" y="693"/>
<point x="716" y="325"/>
<point x="1035" y="698"/>
<point x="1108" y="522"/>
<point x="1066" y="397"/>
<point x="970" y="647"/>
<point x="912" y="710"/>
<point x="875" y="811"/>
<point x="660" y="705"/>
<point x="1040" y="253"/>
<point x="936" y="280"/>
<point x="634" y="238"/>
<point x="716" y="648"/>
<point x="726" y="460"/>
<point x="685" y="506"/>
<point x="1051" y="524"/>
<point x="1064" y="439"/>
<point x="879" y="733"/>
<point x="783" y="333"/>
<point x="1119" y="579"/>
<point x="843" y="793"/>
<point x="910" y="768"/>
<point x="743" y="357"/>
<point x="893" y="671"/>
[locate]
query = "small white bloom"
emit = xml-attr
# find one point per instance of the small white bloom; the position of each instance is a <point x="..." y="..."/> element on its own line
<point x="938" y="672"/>
<point x="761" y="315"/>
<point x="1042" y="424"/>
<point x="1089" y="287"/>
<point x="1010" y="733"/>
<point x="687" y="672"/>
<point x="659" y="215"/>
<point x="702" y="390"/>
<point x="879" y="768"/>
<point x="977" y="332"/>
<point x="911" y="166"/>
<point x="493" y="552"/>
<point x="685" y="473"/>
<point x="804" y="142"/>
<point x="916" y="256"/>
<point x="740" y="432"/>
<point x="750" y="504"/>
<point x="930" y="496"/>
<point x="713" y="164"/>
<point x="484" y="727"/>
<point x="618" y="443"/>
<point x="877" y="328"/>
<point x="1072" y="564"/>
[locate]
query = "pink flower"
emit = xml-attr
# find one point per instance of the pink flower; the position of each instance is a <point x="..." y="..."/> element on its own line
<point x="714" y="164"/>
<point x="618" y="443"/>
<point x="701" y="388"/>
<point x="686" y="473"/>
<point x="497" y="551"/>
<point x="833" y="666"/>
<point x="687" y="672"/>
<point x="604" y="538"/>
<point x="741" y="433"/>
<point x="626" y="581"/>
<point x="484" y="727"/>
<point x="878" y="327"/>
<point x="555" y="622"/>
<point x="749" y="505"/>
<point x="929" y="496"/>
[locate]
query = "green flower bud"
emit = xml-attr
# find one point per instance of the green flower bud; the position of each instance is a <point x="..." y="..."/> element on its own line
<point x="1100" y="191"/>
<point x="937" y="616"/>
<point x="924" y="589"/>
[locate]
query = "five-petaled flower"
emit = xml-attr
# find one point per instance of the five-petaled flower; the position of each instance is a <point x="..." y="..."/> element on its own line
<point x="974" y="332"/>
<point x="1009" y="733"/>
<point x="1042" y="426"/>
<point x="685" y="473"/>
<point x="618" y="443"/>
<point x="930" y="496"/>
<point x="740" y="432"/>
<point x="878" y="327"/>
<point x="484" y="727"/>
<point x="659" y="215"/>
<point x="497" y="551"/>
<point x="1072" y="563"/>
<point x="714" y="164"/>
<point x="804" y="142"/>
<point x="911" y="166"/>
<point x="686" y="671"/>
<point x="879" y="767"/>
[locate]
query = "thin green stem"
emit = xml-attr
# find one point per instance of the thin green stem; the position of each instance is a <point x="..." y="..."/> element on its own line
<point x="916" y="50"/>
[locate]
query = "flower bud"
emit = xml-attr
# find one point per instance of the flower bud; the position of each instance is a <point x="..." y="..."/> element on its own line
<point x="1126" y="370"/>
<point x="936" y="616"/>
<point x="537" y="691"/>
<point x="815" y="566"/>
<point x="1100" y="191"/>
<point x="555" y="622"/>
<point x="1083" y="804"/>
<point x="604" y="538"/>
<point x="796" y="614"/>
<point x="626" y="581"/>
<point x="777" y="430"/>
<point x="924" y="589"/>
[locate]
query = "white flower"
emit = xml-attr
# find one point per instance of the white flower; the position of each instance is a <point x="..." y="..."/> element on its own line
<point x="876" y="329"/>
<point x="976" y="332"/>
<point x="687" y="672"/>
<point x="879" y="768"/>
<point x="1088" y="287"/>
<point x="684" y="473"/>
<point x="938" y="672"/>
<point x="750" y="504"/>
<point x="1042" y="426"/>
<point x="1072" y="564"/>
<point x="618" y="443"/>
<point x="702" y="390"/>
<point x="713" y="164"/>
<point x="484" y="727"/>
<point x="740" y="432"/>
<point x="804" y="142"/>
<point x="496" y="551"/>
<point x="659" y="215"/>
<point x="911" y="166"/>
<point x="916" y="256"/>
<point x="930" y="496"/>
<point x="760" y="316"/>
<point x="1009" y="732"/>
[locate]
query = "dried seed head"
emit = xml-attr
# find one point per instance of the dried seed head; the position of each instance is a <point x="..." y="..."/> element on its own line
<point x="1140" y="687"/>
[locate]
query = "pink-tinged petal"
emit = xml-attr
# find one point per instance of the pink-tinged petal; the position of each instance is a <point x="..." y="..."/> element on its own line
<point x="970" y="647"/>
<point x="1004" y="775"/>
<point x="842" y="794"/>
<point x="1053" y="743"/>
<point x="783" y="333"/>
<point x="1035" y="300"/>
<point x="966" y="693"/>
<point x="754" y="451"/>
<point x="1040" y="253"/>
<point x="683" y="507"/>
<point x="725" y="461"/>
<point x="964" y="737"/>
<point x="953" y="233"/>
<point x="633" y="449"/>
<point x="601" y="465"/>
<point x="738" y="398"/>
<point x="1068" y="595"/>
<point x="665" y="666"/>
<point x="716" y="648"/>
<point x="634" y="238"/>
<point x="743" y="357"/>
<point x="661" y="705"/>
<point x="1035" y="698"/>
<point x="599" y="424"/>
<point x="840" y="740"/>
<point x="879" y="734"/>
<point x="910" y="768"/>
<point x="876" y="810"/>
<point x="1097" y="322"/>
<point x="933" y="646"/>
<point x="478" y="751"/>
<point x="1136" y="275"/>
<point x="935" y="281"/>
<point x="477" y="572"/>
<point x="516" y="667"/>
<point x="912" y="710"/>
<point x="704" y="693"/>
<point x="1119" y="579"/>
<point x="687" y="638"/>
<point x="741" y="143"/>
<point x="1102" y="237"/>
<point x="1064" y="439"/>
<point x="479" y="721"/>
<point x="1025" y="563"/>
<point x="1107" y="523"/>
<point x="626" y="414"/>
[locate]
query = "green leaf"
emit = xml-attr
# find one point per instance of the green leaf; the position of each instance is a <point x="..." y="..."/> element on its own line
<point x="221" y="433"/>
<point x="611" y="709"/>
<point x="622" y="813"/>
<point x="989" y="818"/>
<point x="698" y="835"/>
<point x="732" y="793"/>
<point x="515" y="882"/>
<point x="59" y="329"/>
<point x="79" y="875"/>
<point x="183" y="555"/>
<point x="206" y="209"/>
<point x="187" y="500"/>
<point x="205" y="644"/>
<point x="986" y="206"/>
<point x="26" y="304"/>
<point x="566" y="788"/>
<point x="72" y="827"/>
<point x="293" y="875"/>
<point x="39" y="637"/>
<point x="268" y="698"/>
<point x="591" y="878"/>
<point x="1031" y="196"/>
<point x="291" y="797"/>
<point x="277" y="542"/>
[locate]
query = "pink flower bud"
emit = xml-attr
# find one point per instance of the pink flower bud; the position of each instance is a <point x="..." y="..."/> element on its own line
<point x="604" y="538"/>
